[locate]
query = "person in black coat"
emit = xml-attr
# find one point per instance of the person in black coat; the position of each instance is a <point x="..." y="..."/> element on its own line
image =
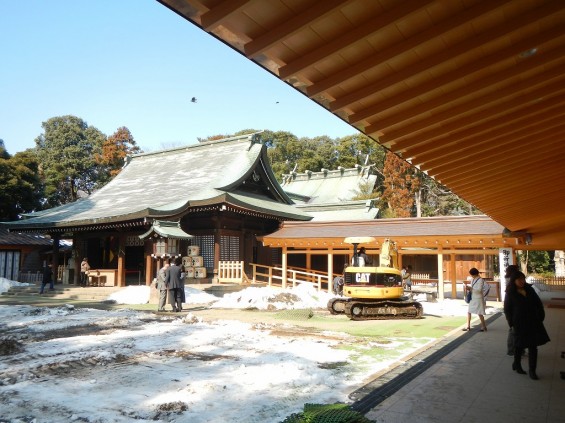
<point x="174" y="283"/>
<point x="510" y="339"/>
<point x="47" y="278"/>
<point x="525" y="314"/>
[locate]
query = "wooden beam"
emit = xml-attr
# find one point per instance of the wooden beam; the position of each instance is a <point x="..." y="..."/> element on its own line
<point x="289" y="27"/>
<point x="493" y="81"/>
<point x="476" y="148"/>
<point x="499" y="157"/>
<point x="524" y="121"/>
<point x="221" y="13"/>
<point x="505" y="160"/>
<point x="547" y="83"/>
<point x="449" y="54"/>
<point x="475" y="189"/>
<point x="370" y="27"/>
<point x="380" y="57"/>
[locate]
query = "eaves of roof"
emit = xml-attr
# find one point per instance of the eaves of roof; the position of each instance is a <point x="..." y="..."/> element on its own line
<point x="15" y="238"/>
<point x="452" y="231"/>
<point x="266" y="206"/>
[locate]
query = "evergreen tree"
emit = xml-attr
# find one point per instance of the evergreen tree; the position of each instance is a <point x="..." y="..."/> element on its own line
<point x="20" y="186"/>
<point x="67" y="150"/>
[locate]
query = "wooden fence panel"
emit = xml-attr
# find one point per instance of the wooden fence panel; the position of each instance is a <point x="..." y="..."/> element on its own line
<point x="230" y="272"/>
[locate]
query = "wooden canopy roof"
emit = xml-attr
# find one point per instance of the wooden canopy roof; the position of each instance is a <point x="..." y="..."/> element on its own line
<point x="471" y="92"/>
<point x="452" y="232"/>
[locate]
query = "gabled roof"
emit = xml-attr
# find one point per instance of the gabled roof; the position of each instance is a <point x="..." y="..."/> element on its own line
<point x="328" y="186"/>
<point x="166" y="183"/>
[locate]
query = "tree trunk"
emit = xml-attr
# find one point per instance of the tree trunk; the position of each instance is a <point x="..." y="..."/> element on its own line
<point x="418" y="202"/>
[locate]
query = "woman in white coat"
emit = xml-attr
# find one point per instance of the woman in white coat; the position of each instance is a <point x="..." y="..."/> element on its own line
<point x="477" y="304"/>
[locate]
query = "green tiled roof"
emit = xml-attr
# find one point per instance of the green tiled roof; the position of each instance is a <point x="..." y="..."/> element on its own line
<point x="328" y="186"/>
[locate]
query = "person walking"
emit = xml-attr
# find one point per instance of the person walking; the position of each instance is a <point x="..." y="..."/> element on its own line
<point x="174" y="284"/>
<point x="47" y="279"/>
<point x="162" y="286"/>
<point x="525" y="315"/>
<point x="477" y="304"/>
<point x="84" y="268"/>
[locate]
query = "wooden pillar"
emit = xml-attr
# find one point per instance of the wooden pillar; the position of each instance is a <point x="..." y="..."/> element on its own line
<point x="77" y="255"/>
<point x="149" y="271"/>
<point x="441" y="288"/>
<point x="217" y="251"/>
<point x="453" y="264"/>
<point x="121" y="278"/>
<point x="330" y="269"/>
<point x="55" y="268"/>
<point x="308" y="259"/>
<point x="284" y="267"/>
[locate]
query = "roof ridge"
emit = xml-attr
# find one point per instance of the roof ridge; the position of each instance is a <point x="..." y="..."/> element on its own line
<point x="249" y="137"/>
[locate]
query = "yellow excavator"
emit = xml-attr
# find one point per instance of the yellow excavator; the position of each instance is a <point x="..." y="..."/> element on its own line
<point x="374" y="292"/>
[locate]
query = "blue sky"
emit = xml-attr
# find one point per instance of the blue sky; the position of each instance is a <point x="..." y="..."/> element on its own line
<point x="135" y="63"/>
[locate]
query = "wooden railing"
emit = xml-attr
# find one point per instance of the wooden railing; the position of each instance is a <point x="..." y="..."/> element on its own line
<point x="273" y="276"/>
<point x="30" y="277"/>
<point x="232" y="272"/>
<point x="422" y="278"/>
<point x="547" y="284"/>
<point x="37" y="276"/>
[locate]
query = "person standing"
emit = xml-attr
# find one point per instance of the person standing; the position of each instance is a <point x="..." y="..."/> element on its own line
<point x="364" y="257"/>
<point x="174" y="284"/>
<point x="84" y="268"/>
<point x="162" y="286"/>
<point x="47" y="278"/>
<point x="338" y="282"/>
<point x="407" y="277"/>
<point x="477" y="304"/>
<point x="510" y="270"/>
<point x="525" y="315"/>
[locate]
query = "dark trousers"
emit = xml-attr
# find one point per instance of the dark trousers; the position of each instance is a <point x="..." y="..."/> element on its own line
<point x="175" y="298"/>
<point x="532" y="357"/>
<point x="43" y="284"/>
<point x="83" y="279"/>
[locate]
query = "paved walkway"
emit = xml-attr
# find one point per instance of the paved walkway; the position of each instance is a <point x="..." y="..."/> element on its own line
<point x="470" y="380"/>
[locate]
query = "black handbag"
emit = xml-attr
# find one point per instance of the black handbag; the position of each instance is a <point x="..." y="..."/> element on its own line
<point x="468" y="297"/>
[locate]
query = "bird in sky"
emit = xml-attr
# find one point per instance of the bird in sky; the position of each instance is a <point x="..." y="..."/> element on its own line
<point x="193" y="99"/>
